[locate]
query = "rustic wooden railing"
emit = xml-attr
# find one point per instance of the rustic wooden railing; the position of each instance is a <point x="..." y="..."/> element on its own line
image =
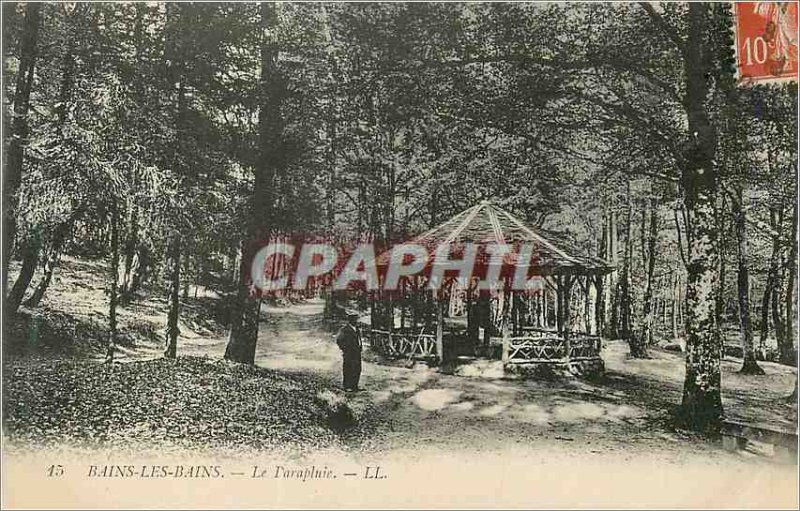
<point x="403" y="344"/>
<point x="549" y="348"/>
<point x="532" y="346"/>
<point x="585" y="347"/>
<point x="535" y="349"/>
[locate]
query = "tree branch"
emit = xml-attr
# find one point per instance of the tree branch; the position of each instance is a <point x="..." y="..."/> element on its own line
<point x="664" y="26"/>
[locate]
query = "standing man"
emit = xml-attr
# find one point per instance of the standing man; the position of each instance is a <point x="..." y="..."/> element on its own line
<point x="349" y="341"/>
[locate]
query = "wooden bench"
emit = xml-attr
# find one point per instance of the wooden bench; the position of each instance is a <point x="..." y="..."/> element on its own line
<point x="736" y="434"/>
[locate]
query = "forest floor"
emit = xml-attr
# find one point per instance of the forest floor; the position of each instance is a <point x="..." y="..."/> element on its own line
<point x="626" y="413"/>
<point x="54" y="386"/>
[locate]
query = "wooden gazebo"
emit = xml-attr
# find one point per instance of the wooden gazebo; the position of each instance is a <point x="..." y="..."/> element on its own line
<point x="539" y="326"/>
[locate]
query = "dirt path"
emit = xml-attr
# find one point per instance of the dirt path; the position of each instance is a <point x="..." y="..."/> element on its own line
<point x="624" y="416"/>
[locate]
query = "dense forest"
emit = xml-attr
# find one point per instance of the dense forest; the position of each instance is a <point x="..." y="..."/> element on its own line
<point x="164" y="137"/>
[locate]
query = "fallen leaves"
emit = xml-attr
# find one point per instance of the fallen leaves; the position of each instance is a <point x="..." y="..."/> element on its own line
<point x="187" y="402"/>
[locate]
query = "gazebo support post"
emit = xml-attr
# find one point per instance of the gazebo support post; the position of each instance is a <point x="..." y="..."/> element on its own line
<point x="507" y="315"/>
<point x="587" y="320"/>
<point x="484" y="319"/>
<point x="506" y="340"/>
<point x="564" y="283"/>
<point x="402" y="301"/>
<point x="415" y="321"/>
<point x="568" y="280"/>
<point x="439" y="327"/>
<point x="372" y="310"/>
<point x="471" y="330"/>
<point x="391" y="313"/>
<point x="557" y="305"/>
<point x="543" y="308"/>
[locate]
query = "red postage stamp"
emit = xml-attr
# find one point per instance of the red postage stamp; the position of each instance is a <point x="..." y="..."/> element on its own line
<point x="766" y="41"/>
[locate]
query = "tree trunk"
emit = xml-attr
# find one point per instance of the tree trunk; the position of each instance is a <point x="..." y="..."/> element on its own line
<point x="56" y="244"/>
<point x="600" y="305"/>
<point x="175" y="55"/>
<point x="772" y="286"/>
<point x="722" y="276"/>
<point x="174" y="300"/>
<point x="18" y="133"/>
<point x="721" y="272"/>
<point x="244" y="320"/>
<point x="61" y="232"/>
<point x="564" y="293"/>
<point x="129" y="277"/>
<point x="701" y="407"/>
<point x="787" y="351"/>
<point x="676" y="299"/>
<point x="186" y="282"/>
<point x="131" y="245"/>
<point x="244" y="328"/>
<point x="647" y="313"/>
<point x="611" y="285"/>
<point x="49" y="267"/>
<point x="599" y="281"/>
<point x="113" y="286"/>
<point x="638" y="348"/>
<point x="140" y="270"/>
<point x="30" y="260"/>
<point x="777" y="316"/>
<point x="765" y="299"/>
<point x="749" y="365"/>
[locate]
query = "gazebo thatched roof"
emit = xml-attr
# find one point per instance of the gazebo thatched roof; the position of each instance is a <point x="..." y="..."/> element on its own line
<point x="486" y="223"/>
